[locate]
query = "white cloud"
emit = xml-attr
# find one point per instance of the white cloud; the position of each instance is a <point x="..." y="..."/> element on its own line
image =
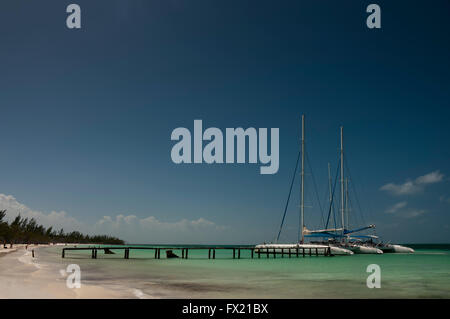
<point x="413" y="186"/>
<point x="56" y="219"/>
<point x="152" y="230"/>
<point x="398" y="210"/>
<point x="430" y="178"/>
<point x="396" y="207"/>
<point x="406" y="188"/>
<point x="128" y="227"/>
<point x="414" y="213"/>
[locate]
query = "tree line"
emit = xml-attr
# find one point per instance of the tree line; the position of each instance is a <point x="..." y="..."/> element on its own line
<point x="28" y="231"/>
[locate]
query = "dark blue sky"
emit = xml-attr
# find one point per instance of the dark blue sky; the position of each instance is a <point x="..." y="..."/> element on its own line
<point x="86" y="115"/>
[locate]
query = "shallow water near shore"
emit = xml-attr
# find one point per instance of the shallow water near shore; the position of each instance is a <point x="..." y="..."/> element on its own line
<point x="424" y="274"/>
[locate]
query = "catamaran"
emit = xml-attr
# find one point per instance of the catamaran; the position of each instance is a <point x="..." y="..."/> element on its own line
<point x="277" y="248"/>
<point x="341" y="240"/>
<point x="342" y="237"/>
<point x="345" y="237"/>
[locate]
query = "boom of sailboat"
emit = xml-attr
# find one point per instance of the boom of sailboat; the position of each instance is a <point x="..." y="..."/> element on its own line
<point x="338" y="240"/>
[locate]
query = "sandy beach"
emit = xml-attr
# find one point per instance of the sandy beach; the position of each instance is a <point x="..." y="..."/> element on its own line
<point x="423" y="274"/>
<point x="21" y="277"/>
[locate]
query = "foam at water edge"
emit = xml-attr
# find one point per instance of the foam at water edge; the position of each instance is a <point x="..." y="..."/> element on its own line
<point x="28" y="260"/>
<point x="139" y="294"/>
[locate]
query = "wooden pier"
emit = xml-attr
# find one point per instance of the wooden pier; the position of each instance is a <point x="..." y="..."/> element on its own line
<point x="236" y="251"/>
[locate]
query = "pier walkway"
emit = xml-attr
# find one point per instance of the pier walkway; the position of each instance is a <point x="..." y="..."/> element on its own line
<point x="236" y="251"/>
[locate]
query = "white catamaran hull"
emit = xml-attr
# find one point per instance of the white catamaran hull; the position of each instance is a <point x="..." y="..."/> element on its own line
<point x="360" y="249"/>
<point x="389" y="248"/>
<point x="341" y="251"/>
<point x="278" y="248"/>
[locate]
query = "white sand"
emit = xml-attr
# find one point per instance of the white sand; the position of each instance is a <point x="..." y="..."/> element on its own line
<point x="21" y="277"/>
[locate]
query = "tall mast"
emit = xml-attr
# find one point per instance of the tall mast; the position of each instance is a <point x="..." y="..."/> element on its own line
<point x="302" y="195"/>
<point x="346" y="200"/>
<point x="342" y="179"/>
<point x="329" y="186"/>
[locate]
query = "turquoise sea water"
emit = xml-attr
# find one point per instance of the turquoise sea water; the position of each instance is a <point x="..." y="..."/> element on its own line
<point x="424" y="274"/>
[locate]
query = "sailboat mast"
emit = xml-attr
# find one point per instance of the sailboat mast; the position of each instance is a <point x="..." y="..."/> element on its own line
<point x="346" y="200"/>
<point x="342" y="179"/>
<point x="329" y="186"/>
<point x="302" y="195"/>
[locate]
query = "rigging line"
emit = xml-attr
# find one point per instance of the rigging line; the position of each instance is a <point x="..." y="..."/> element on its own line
<point x="289" y="196"/>
<point x="334" y="211"/>
<point x="354" y="192"/>
<point x="315" y="186"/>
<point x="360" y="215"/>
<point x="350" y="207"/>
<point x="334" y="207"/>
<point x="332" y="199"/>
<point x="326" y="198"/>
<point x="356" y="219"/>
